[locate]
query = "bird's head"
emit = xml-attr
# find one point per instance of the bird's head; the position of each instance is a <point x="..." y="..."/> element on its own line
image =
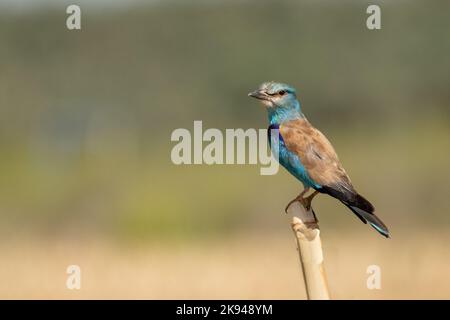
<point x="276" y="95"/>
<point x="280" y="101"/>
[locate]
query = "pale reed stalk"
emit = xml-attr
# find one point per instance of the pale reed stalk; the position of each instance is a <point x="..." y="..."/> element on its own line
<point x="307" y="234"/>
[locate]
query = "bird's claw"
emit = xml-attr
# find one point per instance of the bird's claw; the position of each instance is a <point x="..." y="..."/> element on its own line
<point x="305" y="202"/>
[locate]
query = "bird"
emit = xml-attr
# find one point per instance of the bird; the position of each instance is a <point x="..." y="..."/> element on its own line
<point x="308" y="155"/>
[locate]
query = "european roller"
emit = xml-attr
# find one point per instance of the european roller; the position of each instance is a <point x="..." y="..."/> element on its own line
<point x="308" y="155"/>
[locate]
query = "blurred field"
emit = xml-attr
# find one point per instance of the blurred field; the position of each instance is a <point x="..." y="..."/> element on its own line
<point x="413" y="266"/>
<point x="86" y="117"/>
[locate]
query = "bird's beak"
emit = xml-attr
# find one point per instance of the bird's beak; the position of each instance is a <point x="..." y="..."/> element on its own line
<point x="258" y="94"/>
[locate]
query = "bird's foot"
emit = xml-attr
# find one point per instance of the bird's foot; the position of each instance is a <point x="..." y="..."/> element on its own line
<point x="304" y="201"/>
<point x="299" y="198"/>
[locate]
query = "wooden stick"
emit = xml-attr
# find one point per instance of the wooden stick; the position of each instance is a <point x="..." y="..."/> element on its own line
<point x="307" y="233"/>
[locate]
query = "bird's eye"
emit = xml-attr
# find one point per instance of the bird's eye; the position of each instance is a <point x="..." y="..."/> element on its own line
<point x="282" y="92"/>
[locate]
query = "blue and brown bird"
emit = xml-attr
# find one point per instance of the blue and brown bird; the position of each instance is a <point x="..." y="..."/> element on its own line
<point x="308" y="155"/>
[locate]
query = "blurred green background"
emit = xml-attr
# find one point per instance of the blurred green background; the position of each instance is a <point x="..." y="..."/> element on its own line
<point x="86" y="117"/>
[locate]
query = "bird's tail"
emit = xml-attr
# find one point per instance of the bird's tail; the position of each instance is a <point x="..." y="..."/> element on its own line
<point x="365" y="211"/>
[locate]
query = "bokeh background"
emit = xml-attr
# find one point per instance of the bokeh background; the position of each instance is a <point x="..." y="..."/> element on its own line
<point x="85" y="124"/>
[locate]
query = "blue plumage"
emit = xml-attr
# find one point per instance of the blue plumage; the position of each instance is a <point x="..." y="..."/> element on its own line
<point x="289" y="160"/>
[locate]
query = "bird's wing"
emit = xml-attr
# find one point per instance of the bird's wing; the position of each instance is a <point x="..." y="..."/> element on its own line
<point x="322" y="164"/>
<point x="316" y="154"/>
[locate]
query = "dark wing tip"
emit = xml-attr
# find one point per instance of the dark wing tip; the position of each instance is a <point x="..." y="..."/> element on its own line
<point x="363" y="203"/>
